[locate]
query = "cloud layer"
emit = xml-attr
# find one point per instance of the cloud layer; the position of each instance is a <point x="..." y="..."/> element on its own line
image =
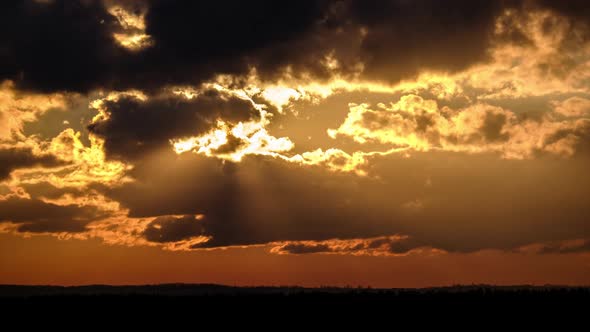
<point x="382" y="127"/>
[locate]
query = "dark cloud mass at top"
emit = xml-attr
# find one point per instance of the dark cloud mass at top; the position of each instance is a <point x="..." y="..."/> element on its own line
<point x="64" y="45"/>
<point x="57" y="45"/>
<point x="405" y="37"/>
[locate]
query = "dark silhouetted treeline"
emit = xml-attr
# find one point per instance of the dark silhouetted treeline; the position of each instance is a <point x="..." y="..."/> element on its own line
<point x="186" y="302"/>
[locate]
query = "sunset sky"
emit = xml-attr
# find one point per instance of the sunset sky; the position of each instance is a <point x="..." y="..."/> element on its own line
<point x="384" y="143"/>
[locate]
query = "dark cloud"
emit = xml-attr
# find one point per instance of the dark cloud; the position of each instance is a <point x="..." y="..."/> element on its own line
<point x="305" y="248"/>
<point x="404" y="245"/>
<point x="402" y="37"/>
<point x="135" y="127"/>
<point x="405" y="37"/>
<point x="383" y="245"/>
<point x="252" y="202"/>
<point x="47" y="190"/>
<point x="57" y="45"/>
<point x="14" y="158"/>
<point x="394" y="39"/>
<point x="173" y="229"/>
<point x="208" y="37"/>
<point x="580" y="247"/>
<point x="466" y="202"/>
<point x="38" y="217"/>
<point x="69" y="45"/>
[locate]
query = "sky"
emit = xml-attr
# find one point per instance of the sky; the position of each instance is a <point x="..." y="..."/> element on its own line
<point x="383" y="143"/>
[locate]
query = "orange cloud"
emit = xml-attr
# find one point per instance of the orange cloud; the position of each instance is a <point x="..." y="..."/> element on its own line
<point x="395" y="245"/>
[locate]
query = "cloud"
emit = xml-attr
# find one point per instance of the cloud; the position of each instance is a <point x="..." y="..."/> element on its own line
<point x="81" y="165"/>
<point x="380" y="246"/>
<point x="15" y="158"/>
<point x="574" y="246"/>
<point x="131" y="126"/>
<point x="131" y="17"/>
<point x="234" y="141"/>
<point x="88" y="45"/>
<point x="273" y="31"/>
<point x="570" y="247"/>
<point x="173" y="229"/>
<point x="468" y="82"/>
<point x="440" y="201"/>
<point x="413" y="122"/>
<point x="117" y="44"/>
<point x="573" y="107"/>
<point x="398" y="245"/>
<point x="302" y="248"/>
<point x="552" y="60"/>
<point x="576" y="9"/>
<point x="18" y="108"/>
<point x="45" y="190"/>
<point x="57" y="46"/>
<point x="260" y="200"/>
<point x="404" y="38"/>
<point x="35" y="216"/>
<point x="239" y="207"/>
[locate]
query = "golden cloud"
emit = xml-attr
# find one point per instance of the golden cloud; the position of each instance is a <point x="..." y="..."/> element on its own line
<point x="85" y="164"/>
<point x="420" y="124"/>
<point x="16" y="108"/>
<point x="540" y="66"/>
<point x="233" y="142"/>
<point x="133" y="36"/>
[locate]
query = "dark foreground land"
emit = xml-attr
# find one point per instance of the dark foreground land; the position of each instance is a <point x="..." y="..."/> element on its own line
<point x="534" y="295"/>
<point x="560" y="305"/>
<point x="538" y="294"/>
<point x="178" y="306"/>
